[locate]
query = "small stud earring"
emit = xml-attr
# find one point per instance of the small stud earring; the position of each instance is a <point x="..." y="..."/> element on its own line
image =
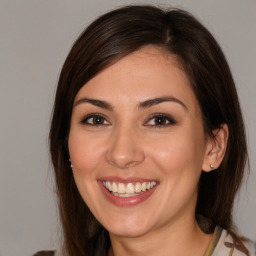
<point x="211" y="166"/>
<point x="70" y="163"/>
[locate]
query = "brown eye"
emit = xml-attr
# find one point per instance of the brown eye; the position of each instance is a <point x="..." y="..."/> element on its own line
<point x="95" y="119"/>
<point x="160" y="120"/>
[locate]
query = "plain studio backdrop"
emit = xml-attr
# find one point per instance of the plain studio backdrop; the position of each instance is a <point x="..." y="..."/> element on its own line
<point x="36" y="36"/>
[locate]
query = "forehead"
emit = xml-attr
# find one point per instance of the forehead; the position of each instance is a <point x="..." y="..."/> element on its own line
<point x="146" y="73"/>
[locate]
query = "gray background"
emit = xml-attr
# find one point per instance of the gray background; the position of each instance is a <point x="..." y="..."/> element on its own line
<point x="34" y="41"/>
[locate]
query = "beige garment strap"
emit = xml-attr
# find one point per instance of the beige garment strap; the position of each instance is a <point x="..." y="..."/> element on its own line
<point x="214" y="241"/>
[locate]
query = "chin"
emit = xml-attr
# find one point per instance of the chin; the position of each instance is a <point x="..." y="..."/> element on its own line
<point x="128" y="228"/>
<point x="128" y="232"/>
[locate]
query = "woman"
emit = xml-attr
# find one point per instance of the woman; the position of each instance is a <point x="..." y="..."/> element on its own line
<point x="147" y="139"/>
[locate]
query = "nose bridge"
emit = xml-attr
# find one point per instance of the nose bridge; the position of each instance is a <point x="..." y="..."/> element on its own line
<point x="125" y="149"/>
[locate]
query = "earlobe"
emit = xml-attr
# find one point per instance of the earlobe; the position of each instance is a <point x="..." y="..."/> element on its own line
<point x="215" y="149"/>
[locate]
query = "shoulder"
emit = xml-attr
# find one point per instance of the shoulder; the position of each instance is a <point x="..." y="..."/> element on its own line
<point x="226" y="246"/>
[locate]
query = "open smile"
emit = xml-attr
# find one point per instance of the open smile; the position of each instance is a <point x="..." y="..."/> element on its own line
<point x="127" y="193"/>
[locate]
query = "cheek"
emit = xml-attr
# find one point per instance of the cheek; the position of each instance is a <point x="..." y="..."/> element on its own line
<point x="84" y="152"/>
<point x="176" y="152"/>
<point x="85" y="160"/>
<point x="178" y="160"/>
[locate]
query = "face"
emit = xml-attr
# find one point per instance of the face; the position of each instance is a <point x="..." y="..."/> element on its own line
<point x="137" y="144"/>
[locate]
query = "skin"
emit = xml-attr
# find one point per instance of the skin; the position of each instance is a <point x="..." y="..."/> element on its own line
<point x="129" y="143"/>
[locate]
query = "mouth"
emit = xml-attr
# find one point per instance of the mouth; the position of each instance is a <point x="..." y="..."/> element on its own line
<point x="128" y="189"/>
<point x="125" y="193"/>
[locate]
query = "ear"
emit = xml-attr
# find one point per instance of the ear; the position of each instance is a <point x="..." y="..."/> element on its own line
<point x="215" y="148"/>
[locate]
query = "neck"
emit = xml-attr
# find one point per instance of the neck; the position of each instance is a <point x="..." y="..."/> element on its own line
<point x="182" y="238"/>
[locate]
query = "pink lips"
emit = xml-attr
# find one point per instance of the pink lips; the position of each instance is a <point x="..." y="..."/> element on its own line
<point x="125" y="201"/>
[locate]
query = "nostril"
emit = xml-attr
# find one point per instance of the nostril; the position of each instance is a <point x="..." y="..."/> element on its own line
<point x="123" y="163"/>
<point x="124" y="150"/>
<point x="125" y="159"/>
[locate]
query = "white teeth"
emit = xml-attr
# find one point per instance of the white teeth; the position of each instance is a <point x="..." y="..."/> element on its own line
<point x="138" y="187"/>
<point x="108" y="186"/>
<point x="144" y="186"/>
<point x="129" y="189"/>
<point x="114" y="187"/>
<point x="121" y="188"/>
<point x="152" y="184"/>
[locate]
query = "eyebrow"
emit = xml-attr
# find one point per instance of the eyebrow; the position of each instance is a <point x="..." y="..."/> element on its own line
<point x="155" y="101"/>
<point x="142" y="105"/>
<point x="98" y="103"/>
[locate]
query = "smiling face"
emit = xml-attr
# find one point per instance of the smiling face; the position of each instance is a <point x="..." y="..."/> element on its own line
<point x="136" y="130"/>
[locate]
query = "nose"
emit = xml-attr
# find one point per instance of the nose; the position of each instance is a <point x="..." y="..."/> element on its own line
<point x="125" y="149"/>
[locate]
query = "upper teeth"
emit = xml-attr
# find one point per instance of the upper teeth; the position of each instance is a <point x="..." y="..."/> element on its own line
<point x="129" y="188"/>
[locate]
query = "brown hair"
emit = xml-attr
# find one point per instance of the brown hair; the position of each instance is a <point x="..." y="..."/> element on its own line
<point x="107" y="40"/>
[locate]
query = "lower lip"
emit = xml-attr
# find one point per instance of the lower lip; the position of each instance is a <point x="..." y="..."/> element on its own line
<point x="126" y="201"/>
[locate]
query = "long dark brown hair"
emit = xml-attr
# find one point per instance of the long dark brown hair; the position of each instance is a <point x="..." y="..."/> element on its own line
<point x="107" y="40"/>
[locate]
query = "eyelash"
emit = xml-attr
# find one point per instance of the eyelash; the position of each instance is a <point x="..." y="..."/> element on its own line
<point x="94" y="116"/>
